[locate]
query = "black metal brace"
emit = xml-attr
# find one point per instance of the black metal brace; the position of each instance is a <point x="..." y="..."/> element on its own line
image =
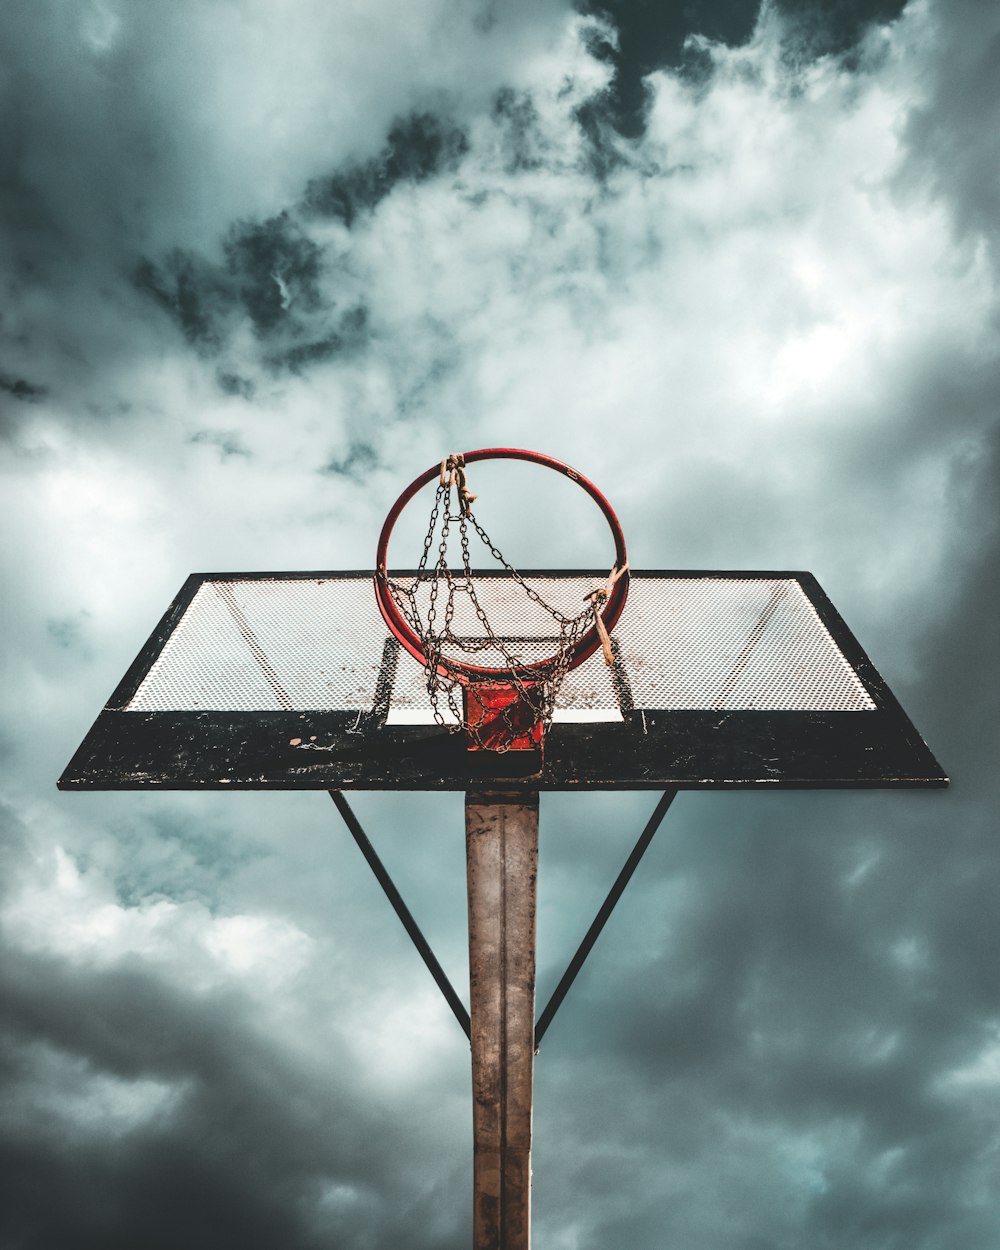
<point x="601" y="919"/>
<point x="403" y="912"/>
<point x="427" y="955"/>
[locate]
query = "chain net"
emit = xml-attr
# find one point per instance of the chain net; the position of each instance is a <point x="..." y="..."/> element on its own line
<point x="447" y="653"/>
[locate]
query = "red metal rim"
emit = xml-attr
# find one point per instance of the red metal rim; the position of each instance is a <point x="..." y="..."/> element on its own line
<point x="588" y="643"/>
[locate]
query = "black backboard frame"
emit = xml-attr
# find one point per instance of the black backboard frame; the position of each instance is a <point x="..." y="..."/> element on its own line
<point x="651" y="749"/>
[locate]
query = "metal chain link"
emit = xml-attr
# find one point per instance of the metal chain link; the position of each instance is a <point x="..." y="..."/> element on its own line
<point x="536" y="691"/>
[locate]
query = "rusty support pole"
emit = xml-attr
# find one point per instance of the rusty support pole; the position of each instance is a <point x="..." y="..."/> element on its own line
<point x="501" y="832"/>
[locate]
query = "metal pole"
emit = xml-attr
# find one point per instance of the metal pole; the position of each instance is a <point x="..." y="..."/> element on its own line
<point x="502" y="867"/>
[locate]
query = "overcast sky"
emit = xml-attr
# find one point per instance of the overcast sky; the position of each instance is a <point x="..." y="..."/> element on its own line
<point x="264" y="262"/>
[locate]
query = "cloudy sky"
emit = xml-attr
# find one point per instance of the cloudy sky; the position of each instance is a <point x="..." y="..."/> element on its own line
<point x="262" y="263"/>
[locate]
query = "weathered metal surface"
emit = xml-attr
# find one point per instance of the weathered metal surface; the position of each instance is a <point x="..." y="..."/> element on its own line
<point x="650" y="748"/>
<point x="502" y="865"/>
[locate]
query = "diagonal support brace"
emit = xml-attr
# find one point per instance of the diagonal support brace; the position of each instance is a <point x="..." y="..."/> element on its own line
<point x="403" y="912"/>
<point x="601" y="919"/>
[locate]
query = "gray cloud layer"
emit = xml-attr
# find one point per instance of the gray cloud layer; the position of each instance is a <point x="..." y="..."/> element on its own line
<point x="261" y="265"/>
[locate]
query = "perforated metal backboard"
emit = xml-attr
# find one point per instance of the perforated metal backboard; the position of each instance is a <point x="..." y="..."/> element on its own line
<point x="273" y="681"/>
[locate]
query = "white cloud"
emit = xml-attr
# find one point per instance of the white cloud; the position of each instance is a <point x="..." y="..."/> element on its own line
<point x="259" y="98"/>
<point x="64" y="1095"/>
<point x="981" y="1073"/>
<point x="76" y="917"/>
<point x="738" y="311"/>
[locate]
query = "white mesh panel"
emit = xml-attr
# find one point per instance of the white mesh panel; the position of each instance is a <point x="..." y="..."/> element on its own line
<point x="258" y="644"/>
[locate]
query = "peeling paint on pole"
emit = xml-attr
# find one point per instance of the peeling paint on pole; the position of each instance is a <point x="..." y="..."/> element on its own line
<point x="502" y="864"/>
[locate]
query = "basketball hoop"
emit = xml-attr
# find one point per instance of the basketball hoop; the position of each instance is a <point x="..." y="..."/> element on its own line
<point x="506" y="706"/>
<point x="726" y="680"/>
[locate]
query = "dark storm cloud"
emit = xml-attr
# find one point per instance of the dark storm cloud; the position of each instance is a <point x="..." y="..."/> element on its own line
<point x="349" y="333"/>
<point x="163" y="856"/>
<point x="68" y="632"/>
<point x="270" y="277"/>
<point x="275" y="275"/>
<point x="360" y="459"/>
<point x="143" y="1106"/>
<point x="648" y="37"/>
<point x="516" y="119"/>
<point x="417" y="148"/>
<point x="781" y="995"/>
<point x="274" y="266"/>
<point x="815" y="984"/>
<point x="227" y="442"/>
<point x="602" y="150"/>
<point x="233" y="384"/>
<point x="955" y="148"/>
<point x="833" y="27"/>
<point x="237" y="1146"/>
<point x="191" y="291"/>
<point x="272" y="273"/>
<point x="124" y="141"/>
<point x="20" y="388"/>
<point x="838" y="980"/>
<point x="15" y="392"/>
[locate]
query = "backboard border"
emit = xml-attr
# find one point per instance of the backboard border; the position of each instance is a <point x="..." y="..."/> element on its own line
<point x="185" y="731"/>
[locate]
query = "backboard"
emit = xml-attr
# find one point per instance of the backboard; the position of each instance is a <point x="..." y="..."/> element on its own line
<point x="292" y="681"/>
